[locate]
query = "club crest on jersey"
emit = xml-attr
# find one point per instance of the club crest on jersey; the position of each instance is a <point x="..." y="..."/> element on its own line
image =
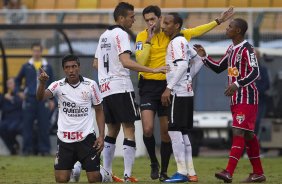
<point x="240" y="118"/>
<point x="85" y="95"/>
<point x="139" y="46"/>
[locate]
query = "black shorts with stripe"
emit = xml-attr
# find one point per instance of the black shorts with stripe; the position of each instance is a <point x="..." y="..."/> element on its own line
<point x="180" y="114"/>
<point x="150" y="92"/>
<point x="83" y="151"/>
<point x="120" y="108"/>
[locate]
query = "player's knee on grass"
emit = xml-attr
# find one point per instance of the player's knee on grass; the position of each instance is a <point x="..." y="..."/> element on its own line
<point x="94" y="176"/>
<point x="62" y="176"/>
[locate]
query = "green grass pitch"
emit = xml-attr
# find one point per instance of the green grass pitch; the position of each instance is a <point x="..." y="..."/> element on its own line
<point x="15" y="169"/>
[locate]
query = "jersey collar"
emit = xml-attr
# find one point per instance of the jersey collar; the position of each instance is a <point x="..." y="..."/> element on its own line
<point x="116" y="26"/>
<point x="80" y="80"/>
<point x="179" y="34"/>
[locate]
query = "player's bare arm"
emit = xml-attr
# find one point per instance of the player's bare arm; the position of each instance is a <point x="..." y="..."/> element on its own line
<point x="95" y="63"/>
<point x="99" y="143"/>
<point x="41" y="93"/>
<point x="132" y="65"/>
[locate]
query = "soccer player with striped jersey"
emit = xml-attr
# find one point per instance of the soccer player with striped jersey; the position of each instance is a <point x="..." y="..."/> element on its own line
<point x="76" y="135"/>
<point x="150" y="49"/>
<point x="184" y="63"/>
<point x="112" y="59"/>
<point x="241" y="62"/>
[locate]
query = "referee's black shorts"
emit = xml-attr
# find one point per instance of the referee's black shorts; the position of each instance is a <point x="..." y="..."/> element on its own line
<point x="180" y="114"/>
<point x="150" y="92"/>
<point x="120" y="108"/>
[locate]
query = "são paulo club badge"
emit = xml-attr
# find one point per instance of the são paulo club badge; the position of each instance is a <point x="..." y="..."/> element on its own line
<point x="240" y="117"/>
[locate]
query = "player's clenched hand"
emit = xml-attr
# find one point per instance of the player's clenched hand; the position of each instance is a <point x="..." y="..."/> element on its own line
<point x="43" y="77"/>
<point x="226" y="15"/>
<point x="166" y="97"/>
<point x="231" y="90"/>
<point x="163" y="69"/>
<point x="200" y="50"/>
<point x="99" y="144"/>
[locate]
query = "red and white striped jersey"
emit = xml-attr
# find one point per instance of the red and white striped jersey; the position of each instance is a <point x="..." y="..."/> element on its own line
<point x="242" y="65"/>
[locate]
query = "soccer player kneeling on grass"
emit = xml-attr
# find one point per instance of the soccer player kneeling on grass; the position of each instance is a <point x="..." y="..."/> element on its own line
<point x="184" y="63"/>
<point x="76" y="135"/>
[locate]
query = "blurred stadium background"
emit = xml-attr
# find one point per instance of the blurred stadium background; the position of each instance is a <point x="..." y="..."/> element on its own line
<point x="74" y="26"/>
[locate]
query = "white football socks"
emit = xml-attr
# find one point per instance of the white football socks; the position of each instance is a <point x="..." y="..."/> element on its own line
<point x="188" y="156"/>
<point x="108" y="155"/>
<point x="178" y="148"/>
<point x="128" y="159"/>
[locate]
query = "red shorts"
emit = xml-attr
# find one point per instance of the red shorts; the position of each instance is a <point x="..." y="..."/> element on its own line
<point x="244" y="116"/>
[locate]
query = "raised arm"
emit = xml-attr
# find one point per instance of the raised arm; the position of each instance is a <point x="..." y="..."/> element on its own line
<point x="42" y="93"/>
<point x="202" y="29"/>
<point x="216" y="66"/>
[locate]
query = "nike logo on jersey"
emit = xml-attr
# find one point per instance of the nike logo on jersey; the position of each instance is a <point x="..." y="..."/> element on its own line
<point x="63" y="94"/>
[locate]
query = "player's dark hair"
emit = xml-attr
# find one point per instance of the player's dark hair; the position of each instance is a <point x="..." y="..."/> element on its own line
<point x="36" y="44"/>
<point x="152" y="9"/>
<point x="176" y="19"/>
<point x="121" y="10"/>
<point x="242" y="24"/>
<point x="70" y="57"/>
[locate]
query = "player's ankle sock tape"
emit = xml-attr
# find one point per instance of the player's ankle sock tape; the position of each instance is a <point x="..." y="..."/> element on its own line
<point x="129" y="143"/>
<point x="111" y="140"/>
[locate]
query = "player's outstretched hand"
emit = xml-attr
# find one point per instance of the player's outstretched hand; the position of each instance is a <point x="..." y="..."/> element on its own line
<point x="224" y="16"/>
<point x="43" y="77"/>
<point x="200" y="50"/>
<point x="163" y="69"/>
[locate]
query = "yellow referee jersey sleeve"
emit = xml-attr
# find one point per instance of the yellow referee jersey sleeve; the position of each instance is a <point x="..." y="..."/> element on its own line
<point x="153" y="55"/>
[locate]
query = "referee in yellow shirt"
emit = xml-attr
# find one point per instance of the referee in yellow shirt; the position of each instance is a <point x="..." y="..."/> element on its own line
<point x="151" y="45"/>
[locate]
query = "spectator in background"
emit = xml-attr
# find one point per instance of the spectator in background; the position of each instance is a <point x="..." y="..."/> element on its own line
<point x="10" y="126"/>
<point x="262" y="84"/>
<point x="32" y="109"/>
<point x="16" y="12"/>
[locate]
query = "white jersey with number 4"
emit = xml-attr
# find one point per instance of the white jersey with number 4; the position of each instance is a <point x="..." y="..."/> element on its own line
<point x="113" y="77"/>
<point x="184" y="64"/>
<point x="76" y="118"/>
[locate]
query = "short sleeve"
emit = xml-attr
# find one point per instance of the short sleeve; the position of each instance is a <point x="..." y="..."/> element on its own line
<point x="180" y="49"/>
<point x="53" y="87"/>
<point x="122" y="42"/>
<point x="96" y="94"/>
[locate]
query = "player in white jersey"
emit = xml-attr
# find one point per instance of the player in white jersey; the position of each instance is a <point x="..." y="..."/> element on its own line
<point x="112" y="59"/>
<point x="76" y="135"/>
<point x="184" y="63"/>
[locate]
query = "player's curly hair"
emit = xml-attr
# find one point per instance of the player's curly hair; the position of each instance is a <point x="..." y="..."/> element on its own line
<point x="70" y="57"/>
